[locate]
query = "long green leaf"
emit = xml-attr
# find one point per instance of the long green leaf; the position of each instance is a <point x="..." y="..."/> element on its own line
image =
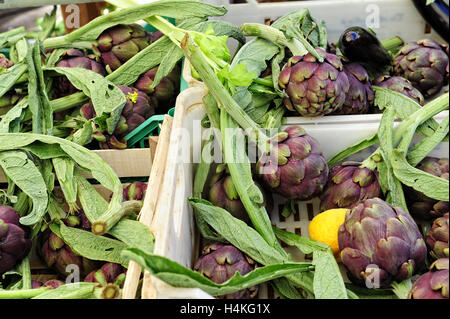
<point x="328" y="281"/>
<point x="179" y="276"/>
<point x="22" y="171"/>
<point x="419" y="151"/>
<point x="93" y="247"/>
<point x="177" y="9"/>
<point x="428" y="184"/>
<point x="106" y="97"/>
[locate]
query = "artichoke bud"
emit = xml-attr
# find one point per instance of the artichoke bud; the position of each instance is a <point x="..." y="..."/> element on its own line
<point x="229" y="188"/>
<point x="99" y="136"/>
<point x="100" y="277"/>
<point x="54" y="242"/>
<point x="72" y="221"/>
<point x="363" y="176"/>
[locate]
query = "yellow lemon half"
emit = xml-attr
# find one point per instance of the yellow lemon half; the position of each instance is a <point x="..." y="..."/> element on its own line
<point x="324" y="227"/>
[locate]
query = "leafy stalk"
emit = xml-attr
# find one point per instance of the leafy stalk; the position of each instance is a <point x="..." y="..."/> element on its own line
<point x="110" y="218"/>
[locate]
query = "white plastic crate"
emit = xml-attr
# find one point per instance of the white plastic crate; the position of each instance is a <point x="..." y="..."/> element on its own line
<point x="386" y="17"/>
<point x="173" y="225"/>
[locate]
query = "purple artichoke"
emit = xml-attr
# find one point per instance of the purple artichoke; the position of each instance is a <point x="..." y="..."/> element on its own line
<point x="348" y="185"/>
<point x="136" y="111"/>
<point x="57" y="255"/>
<point x="420" y="205"/>
<point x="380" y="243"/>
<point x="437" y="237"/>
<point x="360" y="95"/>
<point x="5" y="63"/>
<point x="433" y="284"/>
<point x="400" y="85"/>
<point x="295" y="167"/>
<point x="222" y="193"/>
<point x="75" y="58"/>
<point x="135" y="191"/>
<point x="219" y="262"/>
<point x="165" y="93"/>
<point x="120" y="43"/>
<point x="52" y="283"/>
<point x="314" y="88"/>
<point x="424" y="63"/>
<point x="14" y="242"/>
<point x="109" y="273"/>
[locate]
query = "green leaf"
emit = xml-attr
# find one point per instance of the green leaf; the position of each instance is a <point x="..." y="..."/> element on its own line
<point x="22" y="171"/>
<point x="177" y="275"/>
<point x="93" y="247"/>
<point x="328" y="281"/>
<point x="64" y="169"/>
<point x="47" y="25"/>
<point x="238" y="76"/>
<point x="419" y="151"/>
<point x="134" y="234"/>
<point x="177" y="9"/>
<point x="13" y="117"/>
<point x="78" y="290"/>
<point x="85" y="158"/>
<point x="9" y="77"/>
<point x="402" y="289"/>
<point x="238" y="233"/>
<point x="107" y="99"/>
<point x="428" y="184"/>
<point x="385" y="135"/>
<point x="254" y="55"/>
<point x="404" y="107"/>
<point x="5" y="36"/>
<point x="240" y="170"/>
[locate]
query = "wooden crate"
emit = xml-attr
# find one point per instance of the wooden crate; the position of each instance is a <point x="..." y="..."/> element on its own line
<point x="126" y="163"/>
<point x="132" y="163"/>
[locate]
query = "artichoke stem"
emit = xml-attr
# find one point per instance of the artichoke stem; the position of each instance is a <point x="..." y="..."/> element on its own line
<point x="392" y="43"/>
<point x="110" y="291"/>
<point x="110" y="218"/>
<point x="220" y="93"/>
<point x="22" y="293"/>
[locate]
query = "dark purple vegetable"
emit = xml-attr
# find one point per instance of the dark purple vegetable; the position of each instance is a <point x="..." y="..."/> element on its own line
<point x="14" y="242"/>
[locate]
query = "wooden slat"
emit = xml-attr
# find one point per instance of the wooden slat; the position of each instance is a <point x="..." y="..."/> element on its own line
<point x="125" y="163"/>
<point x="150" y="202"/>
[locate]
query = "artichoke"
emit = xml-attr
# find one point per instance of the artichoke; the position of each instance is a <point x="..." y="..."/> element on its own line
<point x="360" y="95"/>
<point x="314" y="88"/>
<point x="109" y="273"/>
<point x="58" y="255"/>
<point x="349" y="184"/>
<point x="400" y="85"/>
<point x="52" y="283"/>
<point x="437" y="237"/>
<point x="222" y="193"/>
<point x="420" y="205"/>
<point x="5" y="63"/>
<point x="165" y="93"/>
<point x="433" y="284"/>
<point x="380" y="243"/>
<point x="14" y="242"/>
<point x="295" y="167"/>
<point x="135" y="191"/>
<point x="136" y="111"/>
<point x="424" y="63"/>
<point x="120" y="43"/>
<point x="75" y="58"/>
<point x="219" y="262"/>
